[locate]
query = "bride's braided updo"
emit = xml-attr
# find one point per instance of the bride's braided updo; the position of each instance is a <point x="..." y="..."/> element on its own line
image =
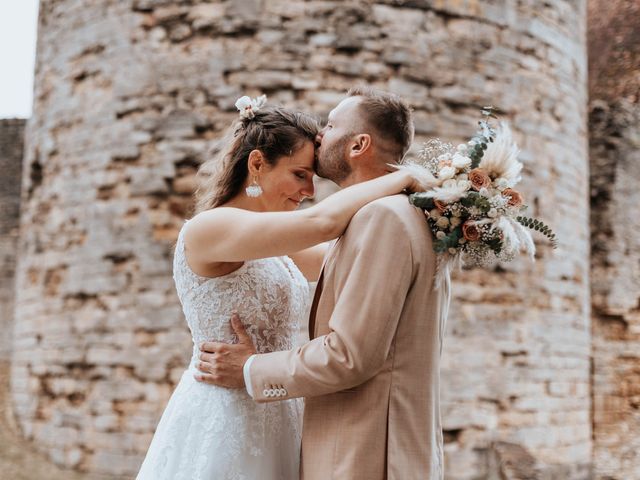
<point x="275" y="131"/>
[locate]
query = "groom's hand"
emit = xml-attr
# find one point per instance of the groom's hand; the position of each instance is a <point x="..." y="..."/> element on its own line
<point x="221" y="363"/>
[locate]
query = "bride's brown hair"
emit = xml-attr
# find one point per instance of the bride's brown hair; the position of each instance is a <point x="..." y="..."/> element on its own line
<point x="275" y="131"/>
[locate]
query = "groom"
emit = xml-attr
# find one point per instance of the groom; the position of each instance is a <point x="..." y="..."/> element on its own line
<point x="370" y="374"/>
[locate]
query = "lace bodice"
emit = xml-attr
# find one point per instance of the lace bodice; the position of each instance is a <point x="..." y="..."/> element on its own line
<point x="210" y="432"/>
<point x="271" y="296"/>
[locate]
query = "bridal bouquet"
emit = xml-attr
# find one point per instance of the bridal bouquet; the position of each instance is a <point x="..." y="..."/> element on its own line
<point x="473" y="207"/>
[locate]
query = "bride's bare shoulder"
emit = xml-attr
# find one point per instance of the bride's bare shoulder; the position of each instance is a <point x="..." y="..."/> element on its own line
<point x="199" y="232"/>
<point x="208" y="221"/>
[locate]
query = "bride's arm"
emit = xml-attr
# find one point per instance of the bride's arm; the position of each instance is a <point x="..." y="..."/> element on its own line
<point x="232" y="235"/>
<point x="309" y="260"/>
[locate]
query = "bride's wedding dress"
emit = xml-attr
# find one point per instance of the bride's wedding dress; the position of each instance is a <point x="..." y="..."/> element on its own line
<point x="212" y="433"/>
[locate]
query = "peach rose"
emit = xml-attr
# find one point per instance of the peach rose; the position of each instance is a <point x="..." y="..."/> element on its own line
<point x="440" y="205"/>
<point x="479" y="179"/>
<point x="515" y="198"/>
<point x="470" y="231"/>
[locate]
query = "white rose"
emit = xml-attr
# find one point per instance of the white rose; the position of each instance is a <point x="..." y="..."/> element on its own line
<point x="462" y="241"/>
<point x="462" y="148"/>
<point x="449" y="183"/>
<point x="446" y="173"/>
<point x="455" y="221"/>
<point x="484" y="192"/>
<point x="435" y="214"/>
<point x="493" y="213"/>
<point x="453" y="251"/>
<point x="443" y="222"/>
<point x="464" y="184"/>
<point x="443" y="158"/>
<point x="462" y="176"/>
<point x="440" y="235"/>
<point x="501" y="183"/>
<point x="497" y="199"/>
<point x="460" y="161"/>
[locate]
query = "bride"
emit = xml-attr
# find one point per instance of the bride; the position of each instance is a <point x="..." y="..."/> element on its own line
<point x="249" y="250"/>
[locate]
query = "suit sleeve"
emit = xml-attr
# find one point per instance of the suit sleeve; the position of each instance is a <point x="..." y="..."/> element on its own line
<point x="372" y="275"/>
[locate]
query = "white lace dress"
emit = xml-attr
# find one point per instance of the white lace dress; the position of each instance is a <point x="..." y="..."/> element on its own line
<point x="208" y="432"/>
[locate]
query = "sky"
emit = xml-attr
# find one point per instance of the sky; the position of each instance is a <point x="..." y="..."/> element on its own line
<point x="18" y="25"/>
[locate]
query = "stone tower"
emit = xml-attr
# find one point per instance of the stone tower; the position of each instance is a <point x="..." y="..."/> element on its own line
<point x="132" y="95"/>
<point x="11" y="148"/>
<point x="614" y="128"/>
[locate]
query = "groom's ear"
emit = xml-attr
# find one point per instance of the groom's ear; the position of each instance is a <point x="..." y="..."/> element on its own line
<point x="361" y="143"/>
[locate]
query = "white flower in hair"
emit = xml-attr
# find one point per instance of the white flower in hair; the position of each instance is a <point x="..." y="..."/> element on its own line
<point x="248" y="106"/>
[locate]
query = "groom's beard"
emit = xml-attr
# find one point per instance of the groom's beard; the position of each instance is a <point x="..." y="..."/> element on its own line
<point x="332" y="163"/>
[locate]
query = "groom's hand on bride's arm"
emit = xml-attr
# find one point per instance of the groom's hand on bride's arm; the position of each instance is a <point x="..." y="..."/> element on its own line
<point x="221" y="364"/>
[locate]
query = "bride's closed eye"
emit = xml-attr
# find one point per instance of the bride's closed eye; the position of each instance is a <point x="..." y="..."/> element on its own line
<point x="304" y="173"/>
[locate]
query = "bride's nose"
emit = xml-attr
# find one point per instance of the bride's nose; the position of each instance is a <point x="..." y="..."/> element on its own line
<point x="309" y="189"/>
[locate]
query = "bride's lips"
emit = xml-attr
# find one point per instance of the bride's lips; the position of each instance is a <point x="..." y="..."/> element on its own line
<point x="297" y="202"/>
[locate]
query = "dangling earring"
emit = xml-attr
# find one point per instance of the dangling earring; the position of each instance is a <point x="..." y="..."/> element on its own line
<point x="254" y="190"/>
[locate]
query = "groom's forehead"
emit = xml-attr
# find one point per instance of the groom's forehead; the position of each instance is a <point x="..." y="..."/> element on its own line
<point x="345" y="108"/>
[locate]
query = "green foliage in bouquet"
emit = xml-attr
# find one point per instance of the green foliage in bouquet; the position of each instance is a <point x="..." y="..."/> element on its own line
<point x="420" y="201"/>
<point x="474" y="199"/>
<point x="450" y="241"/>
<point x="483" y="137"/>
<point x="539" y="226"/>
<point x="495" y="244"/>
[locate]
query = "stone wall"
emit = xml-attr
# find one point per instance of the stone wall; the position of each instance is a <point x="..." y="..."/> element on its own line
<point x="131" y="95"/>
<point x="11" y="148"/>
<point x="614" y="127"/>
<point x="614" y="50"/>
<point x="615" y="173"/>
<point x="516" y="360"/>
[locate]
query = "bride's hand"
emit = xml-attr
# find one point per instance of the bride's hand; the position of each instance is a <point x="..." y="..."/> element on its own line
<point x="412" y="183"/>
<point x="415" y="185"/>
<point x="416" y="177"/>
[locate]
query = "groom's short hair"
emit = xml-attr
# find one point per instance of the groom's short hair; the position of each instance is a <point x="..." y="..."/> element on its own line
<point x="388" y="116"/>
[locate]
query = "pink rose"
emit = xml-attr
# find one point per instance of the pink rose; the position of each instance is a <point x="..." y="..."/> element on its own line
<point x="479" y="179"/>
<point x="470" y="231"/>
<point x="515" y="198"/>
<point x="440" y="205"/>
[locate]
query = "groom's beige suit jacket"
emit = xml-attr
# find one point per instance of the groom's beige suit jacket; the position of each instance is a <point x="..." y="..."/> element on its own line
<point x="370" y="374"/>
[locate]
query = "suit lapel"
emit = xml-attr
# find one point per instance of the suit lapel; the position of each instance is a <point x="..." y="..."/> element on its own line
<point x="314" y="306"/>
